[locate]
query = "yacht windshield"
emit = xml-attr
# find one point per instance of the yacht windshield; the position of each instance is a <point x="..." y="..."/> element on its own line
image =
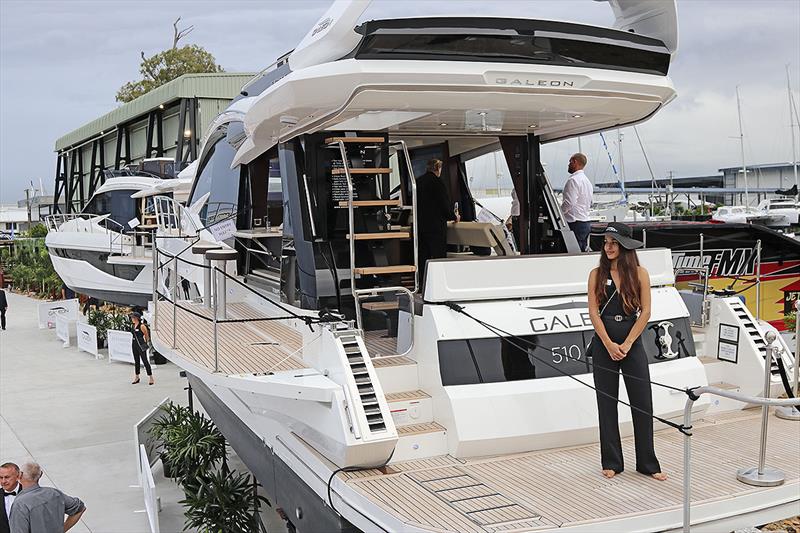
<point x="216" y="177"/>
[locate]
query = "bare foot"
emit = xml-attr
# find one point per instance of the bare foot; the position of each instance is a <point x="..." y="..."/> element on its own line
<point x="609" y="473"/>
<point x="661" y="476"/>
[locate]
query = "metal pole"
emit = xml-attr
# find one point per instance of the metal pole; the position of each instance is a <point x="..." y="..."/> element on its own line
<point x="216" y="338"/>
<point x="763" y="476"/>
<point x="207" y="282"/>
<point x="174" y="291"/>
<point x="644" y="237"/>
<point x="687" y="463"/>
<point x="702" y="248"/>
<point x="221" y="294"/>
<point x="758" y="279"/>
<point x="155" y="283"/>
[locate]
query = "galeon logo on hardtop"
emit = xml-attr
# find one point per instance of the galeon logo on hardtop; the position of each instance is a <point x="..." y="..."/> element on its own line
<point x="723" y="262"/>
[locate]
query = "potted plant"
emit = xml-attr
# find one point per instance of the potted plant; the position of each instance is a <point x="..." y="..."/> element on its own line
<point x="222" y="501"/>
<point x="100" y="320"/>
<point x="163" y="431"/>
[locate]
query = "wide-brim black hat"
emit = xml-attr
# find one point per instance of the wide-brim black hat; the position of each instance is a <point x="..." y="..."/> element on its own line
<point x="623" y="234"/>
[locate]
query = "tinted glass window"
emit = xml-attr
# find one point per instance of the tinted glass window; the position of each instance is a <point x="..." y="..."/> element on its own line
<point x="215" y="176"/>
<point x="118" y="204"/>
<point x="512" y="49"/>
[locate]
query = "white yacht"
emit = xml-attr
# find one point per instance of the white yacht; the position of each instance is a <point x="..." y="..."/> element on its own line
<point x="104" y="251"/>
<point x="742" y="214"/>
<point x="788" y="208"/>
<point x="365" y="396"/>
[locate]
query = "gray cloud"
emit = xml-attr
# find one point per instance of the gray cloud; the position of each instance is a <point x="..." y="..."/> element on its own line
<point x="62" y="62"/>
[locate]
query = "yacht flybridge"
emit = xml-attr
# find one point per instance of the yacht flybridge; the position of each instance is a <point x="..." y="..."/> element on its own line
<point x="365" y="396"/>
<point x="104" y="251"/>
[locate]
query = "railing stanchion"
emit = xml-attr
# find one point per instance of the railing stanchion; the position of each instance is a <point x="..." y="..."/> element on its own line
<point x="216" y="306"/>
<point x="763" y="476"/>
<point x="758" y="279"/>
<point x="687" y="463"/>
<point x="155" y="283"/>
<point x="174" y="290"/>
<point x="207" y="282"/>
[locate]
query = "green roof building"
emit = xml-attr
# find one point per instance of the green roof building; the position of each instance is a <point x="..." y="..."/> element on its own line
<point x="168" y="121"/>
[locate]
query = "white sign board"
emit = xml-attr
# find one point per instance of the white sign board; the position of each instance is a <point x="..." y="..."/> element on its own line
<point x="133" y="222"/>
<point x="62" y="329"/>
<point x="87" y="338"/>
<point x="48" y="311"/>
<point x="149" y="489"/>
<point x="223" y="230"/>
<point x="119" y="346"/>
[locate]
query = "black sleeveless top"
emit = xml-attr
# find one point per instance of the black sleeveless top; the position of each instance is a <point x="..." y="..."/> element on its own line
<point x="612" y="306"/>
<point x="138" y="337"/>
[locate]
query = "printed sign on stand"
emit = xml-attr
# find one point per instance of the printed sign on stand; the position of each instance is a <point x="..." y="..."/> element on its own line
<point x="62" y="329"/>
<point x="48" y="311"/>
<point x="119" y="346"/>
<point x="87" y="339"/>
<point x="224" y="229"/>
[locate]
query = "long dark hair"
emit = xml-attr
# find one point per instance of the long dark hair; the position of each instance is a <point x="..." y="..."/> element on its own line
<point x="628" y="290"/>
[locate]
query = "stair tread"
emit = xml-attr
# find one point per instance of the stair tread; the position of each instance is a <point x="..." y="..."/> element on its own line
<point x="380" y="306"/>
<point x="376" y="170"/>
<point x="365" y="140"/>
<point x="419" y="429"/>
<point x="706" y="360"/>
<point x="723" y="385"/>
<point x="391" y="269"/>
<point x="381" y="235"/>
<point x="407" y="396"/>
<point x="371" y="203"/>
<point x="399" y="360"/>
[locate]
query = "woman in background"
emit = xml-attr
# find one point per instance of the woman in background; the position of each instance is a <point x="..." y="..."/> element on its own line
<point x="140" y="342"/>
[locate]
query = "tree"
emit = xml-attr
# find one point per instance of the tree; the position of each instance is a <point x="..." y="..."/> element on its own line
<point x="168" y="65"/>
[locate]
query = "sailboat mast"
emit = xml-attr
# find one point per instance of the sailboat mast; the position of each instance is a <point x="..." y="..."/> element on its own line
<point x="741" y="145"/>
<point x="791" y="127"/>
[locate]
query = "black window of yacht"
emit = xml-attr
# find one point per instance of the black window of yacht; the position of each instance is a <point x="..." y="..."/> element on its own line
<point x="118" y="204"/>
<point x="216" y="177"/>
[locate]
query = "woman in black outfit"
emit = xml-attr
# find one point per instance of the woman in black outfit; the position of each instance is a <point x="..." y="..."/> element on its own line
<point x="619" y="307"/>
<point x="141" y="339"/>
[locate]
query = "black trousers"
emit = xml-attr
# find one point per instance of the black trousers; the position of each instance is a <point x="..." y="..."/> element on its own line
<point x="581" y="231"/>
<point x="639" y="394"/>
<point x="3" y="317"/>
<point x="138" y="355"/>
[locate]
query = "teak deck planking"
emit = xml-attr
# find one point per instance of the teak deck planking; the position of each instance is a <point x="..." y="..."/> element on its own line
<point x="563" y="487"/>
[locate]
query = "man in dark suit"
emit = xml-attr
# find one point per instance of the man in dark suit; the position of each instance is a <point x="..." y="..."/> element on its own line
<point x="9" y="481"/>
<point x="3" y="307"/>
<point x="433" y="211"/>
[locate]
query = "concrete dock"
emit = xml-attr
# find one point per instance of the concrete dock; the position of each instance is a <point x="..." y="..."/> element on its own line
<point x="74" y="415"/>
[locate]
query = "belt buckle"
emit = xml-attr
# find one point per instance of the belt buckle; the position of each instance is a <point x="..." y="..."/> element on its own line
<point x="618" y="318"/>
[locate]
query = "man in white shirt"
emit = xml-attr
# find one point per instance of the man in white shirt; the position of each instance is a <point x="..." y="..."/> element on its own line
<point x="578" y="200"/>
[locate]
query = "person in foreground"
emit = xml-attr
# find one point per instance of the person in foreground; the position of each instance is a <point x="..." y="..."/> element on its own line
<point x="139" y="343"/>
<point x="619" y="307"/>
<point x="41" y="509"/>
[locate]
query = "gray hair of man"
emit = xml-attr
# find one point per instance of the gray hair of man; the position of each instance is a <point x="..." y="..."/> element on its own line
<point x="31" y="472"/>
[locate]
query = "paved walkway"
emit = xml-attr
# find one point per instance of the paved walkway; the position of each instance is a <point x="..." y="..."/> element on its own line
<point x="74" y="415"/>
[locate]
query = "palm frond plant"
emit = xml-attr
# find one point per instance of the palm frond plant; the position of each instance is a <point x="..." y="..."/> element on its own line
<point x="222" y="502"/>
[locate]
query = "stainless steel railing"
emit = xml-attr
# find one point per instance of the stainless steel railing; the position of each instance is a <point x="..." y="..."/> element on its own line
<point x="760" y="475"/>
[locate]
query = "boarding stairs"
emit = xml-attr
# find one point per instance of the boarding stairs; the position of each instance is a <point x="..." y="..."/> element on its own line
<point x="379" y="272"/>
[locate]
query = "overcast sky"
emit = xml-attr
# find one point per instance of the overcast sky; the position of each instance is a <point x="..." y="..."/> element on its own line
<point x="61" y="63"/>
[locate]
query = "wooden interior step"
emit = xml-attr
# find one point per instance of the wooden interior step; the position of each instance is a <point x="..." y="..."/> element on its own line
<point x="381" y="235"/>
<point x="380" y="306"/>
<point x="419" y="429"/>
<point x="341" y="171"/>
<point x="707" y="360"/>
<point x="397" y="360"/>
<point x="407" y="396"/>
<point x="391" y="269"/>
<point x="355" y="140"/>
<point x="724" y="386"/>
<point x="371" y="203"/>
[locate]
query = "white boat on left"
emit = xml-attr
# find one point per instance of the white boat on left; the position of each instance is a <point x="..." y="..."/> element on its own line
<point x="105" y="250"/>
